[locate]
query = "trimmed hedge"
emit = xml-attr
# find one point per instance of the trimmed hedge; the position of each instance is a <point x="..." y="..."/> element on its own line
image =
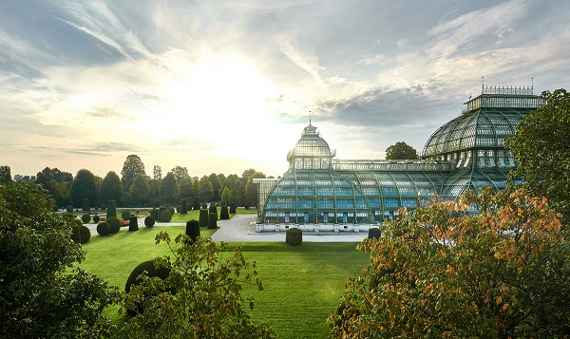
<point x="86" y="218"/>
<point x="165" y="214"/>
<point x="203" y="219"/>
<point x="80" y="234"/>
<point x="224" y="213"/>
<point x="114" y="225"/>
<point x="104" y="229"/>
<point x="149" y="221"/>
<point x="294" y="236"/>
<point x="152" y="269"/>
<point x="133" y="224"/>
<point x="213" y="220"/>
<point x="96" y="219"/>
<point x="193" y="229"/>
<point x="374" y="233"/>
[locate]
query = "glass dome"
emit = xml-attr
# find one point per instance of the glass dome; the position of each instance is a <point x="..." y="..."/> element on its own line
<point x="310" y="145"/>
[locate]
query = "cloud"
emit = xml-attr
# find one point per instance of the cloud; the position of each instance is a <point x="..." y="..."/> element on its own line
<point x="309" y="64"/>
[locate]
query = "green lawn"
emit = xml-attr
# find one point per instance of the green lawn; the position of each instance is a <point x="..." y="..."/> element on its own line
<point x="302" y="284"/>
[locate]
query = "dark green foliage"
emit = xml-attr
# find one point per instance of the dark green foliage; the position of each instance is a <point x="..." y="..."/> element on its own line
<point x="114" y="225"/>
<point x="5" y="174"/>
<point x="125" y="214"/>
<point x="86" y="218"/>
<point x="149" y="221"/>
<point x="96" y="219"/>
<point x="80" y="234"/>
<point x="233" y="209"/>
<point x="111" y="209"/>
<point x="111" y="188"/>
<point x="213" y="208"/>
<point x="84" y="189"/>
<point x="103" y="229"/>
<point x="133" y="224"/>
<point x="132" y="167"/>
<point x="401" y="151"/>
<point x="57" y="183"/>
<point x="165" y="214"/>
<point x="154" y="268"/>
<point x="213" y="220"/>
<point x="155" y="213"/>
<point x="374" y="233"/>
<point x="203" y="218"/>
<point x="140" y="190"/>
<point x="224" y="213"/>
<point x="196" y="205"/>
<point x="294" y="236"/>
<point x="69" y="209"/>
<point x="43" y="293"/>
<point x="183" y="209"/>
<point x="169" y="189"/>
<point x="85" y="205"/>
<point x="193" y="229"/>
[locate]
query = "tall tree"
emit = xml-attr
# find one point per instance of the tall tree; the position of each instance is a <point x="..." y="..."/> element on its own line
<point x="206" y="192"/>
<point x="234" y="183"/>
<point x="157" y="173"/>
<point x="132" y="167"/>
<point x="185" y="190"/>
<point x="111" y="188"/>
<point x="57" y="184"/>
<point x="541" y="147"/>
<point x="5" y="174"/>
<point x="84" y="189"/>
<point x="250" y="189"/>
<point x="401" y="151"/>
<point x="139" y="191"/>
<point x="227" y="198"/>
<point x="169" y="189"/>
<point x="214" y="180"/>
<point x="180" y="173"/>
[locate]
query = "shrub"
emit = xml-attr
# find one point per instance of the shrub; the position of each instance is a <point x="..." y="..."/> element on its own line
<point x="125" y="214"/>
<point x="154" y="268"/>
<point x="103" y="229"/>
<point x="193" y="229"/>
<point x="203" y="219"/>
<point x="196" y="206"/>
<point x="213" y="220"/>
<point x="80" y="234"/>
<point x="294" y="236"/>
<point x="183" y="209"/>
<point x="374" y="233"/>
<point x="86" y="218"/>
<point x="165" y="214"/>
<point x="114" y="225"/>
<point x="149" y="221"/>
<point x="224" y="213"/>
<point x="111" y="210"/>
<point x="133" y="224"/>
<point x="213" y="208"/>
<point x="233" y="209"/>
<point x="69" y="209"/>
<point x="154" y="213"/>
<point x="96" y="219"/>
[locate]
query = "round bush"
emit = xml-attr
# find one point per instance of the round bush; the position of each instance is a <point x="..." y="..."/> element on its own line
<point x="374" y="233"/>
<point x="81" y="234"/>
<point x="96" y="219"/>
<point x="193" y="229"/>
<point x="224" y="213"/>
<point x="149" y="221"/>
<point x="103" y="229"/>
<point x="153" y="270"/>
<point x="294" y="236"/>
<point x="213" y="220"/>
<point x="203" y="219"/>
<point x="86" y="218"/>
<point x="114" y="225"/>
<point x="133" y="224"/>
<point x="165" y="214"/>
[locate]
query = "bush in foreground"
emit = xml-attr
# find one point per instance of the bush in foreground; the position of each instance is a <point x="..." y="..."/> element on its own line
<point x="154" y="268"/>
<point x="440" y="272"/>
<point x="80" y="234"/>
<point x="294" y="236"/>
<point x="149" y="221"/>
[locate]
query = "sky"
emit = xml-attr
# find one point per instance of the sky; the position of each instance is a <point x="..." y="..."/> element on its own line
<point x="222" y="86"/>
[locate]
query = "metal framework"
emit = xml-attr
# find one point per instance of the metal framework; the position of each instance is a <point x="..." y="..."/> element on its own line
<point x="466" y="153"/>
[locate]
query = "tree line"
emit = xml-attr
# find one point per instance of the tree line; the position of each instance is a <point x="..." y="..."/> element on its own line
<point x="134" y="188"/>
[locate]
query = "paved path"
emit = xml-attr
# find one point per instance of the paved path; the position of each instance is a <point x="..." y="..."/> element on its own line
<point x="242" y="228"/>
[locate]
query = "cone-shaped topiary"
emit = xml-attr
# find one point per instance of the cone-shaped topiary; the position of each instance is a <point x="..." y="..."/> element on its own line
<point x="213" y="220"/>
<point x="233" y="209"/>
<point x="80" y="234"/>
<point x="213" y="208"/>
<point x="193" y="229"/>
<point x="224" y="213"/>
<point x="86" y="218"/>
<point x="103" y="228"/>
<point x="154" y="268"/>
<point x="114" y="225"/>
<point x="203" y="219"/>
<point x="294" y="236"/>
<point x="133" y="224"/>
<point x="149" y="221"/>
<point x="374" y="233"/>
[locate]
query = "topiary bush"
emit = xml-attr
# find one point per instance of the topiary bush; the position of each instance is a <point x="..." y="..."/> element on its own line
<point x="96" y="219"/>
<point x="374" y="233"/>
<point x="294" y="236"/>
<point x="233" y="209"/>
<point x="183" y="209"/>
<point x="86" y="218"/>
<point x="203" y="218"/>
<point x="111" y="210"/>
<point x="154" y="213"/>
<point x="154" y="268"/>
<point x="114" y="225"/>
<point x="224" y="213"/>
<point x="213" y="208"/>
<point x="104" y="229"/>
<point x="133" y="224"/>
<point x="165" y="214"/>
<point x="149" y="221"/>
<point x="80" y="234"/>
<point x="213" y="220"/>
<point x="193" y="229"/>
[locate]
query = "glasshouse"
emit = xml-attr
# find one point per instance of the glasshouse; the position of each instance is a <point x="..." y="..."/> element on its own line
<point x="467" y="152"/>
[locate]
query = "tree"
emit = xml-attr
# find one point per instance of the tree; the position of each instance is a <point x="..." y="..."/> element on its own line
<point x="111" y="188"/>
<point x="207" y="302"/>
<point x="401" y="151"/>
<point x="132" y="167"/>
<point x="185" y="190"/>
<point x="169" y="189"/>
<point x="206" y="190"/>
<point x="541" y="148"/>
<point x="227" y="198"/>
<point x="180" y="173"/>
<point x="84" y="188"/>
<point x="44" y="293"/>
<point x="157" y="173"/>
<point x="57" y="183"/>
<point x="443" y="272"/>
<point x="5" y="174"/>
<point x="250" y="189"/>
<point x="140" y="190"/>
<point x="215" y="181"/>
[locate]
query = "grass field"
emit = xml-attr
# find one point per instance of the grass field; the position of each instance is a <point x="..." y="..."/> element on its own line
<point x="302" y="284"/>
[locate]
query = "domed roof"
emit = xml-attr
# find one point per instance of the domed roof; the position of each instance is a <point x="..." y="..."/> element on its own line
<point x="480" y="128"/>
<point x="310" y="145"/>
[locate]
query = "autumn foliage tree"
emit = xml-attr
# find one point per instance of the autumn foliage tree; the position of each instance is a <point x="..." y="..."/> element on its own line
<point x="443" y="272"/>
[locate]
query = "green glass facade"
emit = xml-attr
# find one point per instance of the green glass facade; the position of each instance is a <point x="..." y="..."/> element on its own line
<point x="468" y="152"/>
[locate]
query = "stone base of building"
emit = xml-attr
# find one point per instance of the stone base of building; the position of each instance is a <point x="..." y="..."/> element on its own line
<point x="315" y="228"/>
